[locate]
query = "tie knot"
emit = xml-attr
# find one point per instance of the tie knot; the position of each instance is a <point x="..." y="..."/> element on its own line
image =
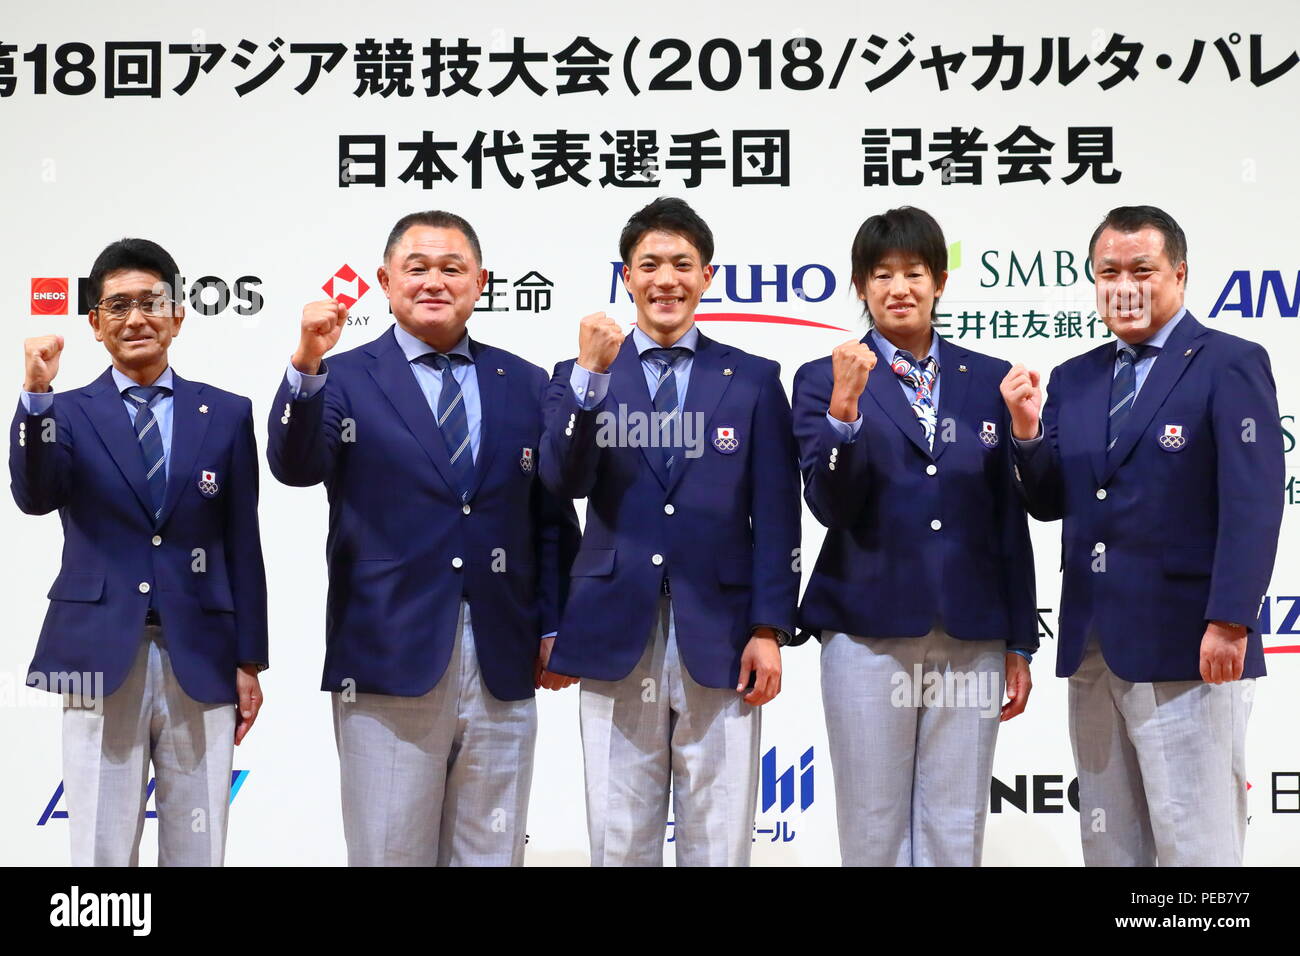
<point x="145" y="394"/>
<point x="905" y="364"/>
<point x="1132" y="354"/>
<point x="667" y="357"/>
<point x="437" y="360"/>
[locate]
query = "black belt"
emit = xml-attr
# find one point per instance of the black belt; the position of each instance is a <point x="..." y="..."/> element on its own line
<point x="152" y="618"/>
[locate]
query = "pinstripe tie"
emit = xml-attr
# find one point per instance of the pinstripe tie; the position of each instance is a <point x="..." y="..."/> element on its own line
<point x="1123" y="389"/>
<point x="151" y="446"/>
<point x="666" y="399"/>
<point x="453" y="423"/>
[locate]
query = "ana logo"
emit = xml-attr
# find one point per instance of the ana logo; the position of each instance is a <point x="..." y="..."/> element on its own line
<point x="237" y="778"/>
<point x="345" y="286"/>
<point x="1250" y="301"/>
<point x="50" y="296"/>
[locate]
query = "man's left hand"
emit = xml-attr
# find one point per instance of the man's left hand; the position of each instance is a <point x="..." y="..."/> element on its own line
<point x="1223" y="652"/>
<point x="250" y="699"/>
<point x="762" y="658"/>
<point x="544" y="678"/>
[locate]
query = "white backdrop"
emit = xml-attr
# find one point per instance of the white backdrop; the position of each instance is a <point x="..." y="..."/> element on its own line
<point x="249" y="187"/>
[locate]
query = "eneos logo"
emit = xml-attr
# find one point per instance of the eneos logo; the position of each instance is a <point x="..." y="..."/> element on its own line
<point x="50" y="296"/>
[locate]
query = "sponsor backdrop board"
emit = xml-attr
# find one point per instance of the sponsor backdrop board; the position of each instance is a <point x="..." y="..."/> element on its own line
<point x="270" y="146"/>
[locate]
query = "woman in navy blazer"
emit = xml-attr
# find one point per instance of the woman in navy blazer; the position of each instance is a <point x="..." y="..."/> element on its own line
<point x="923" y="593"/>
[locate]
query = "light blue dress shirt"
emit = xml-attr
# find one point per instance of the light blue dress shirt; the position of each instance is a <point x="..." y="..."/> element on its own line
<point x="590" y="388"/>
<point x="426" y="376"/>
<point x="38" y="403"/>
<point x="848" y="431"/>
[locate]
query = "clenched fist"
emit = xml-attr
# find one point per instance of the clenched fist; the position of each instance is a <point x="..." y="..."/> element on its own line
<point x="599" y="339"/>
<point x="322" y="324"/>
<point x="1023" y="393"/>
<point x="852" y="363"/>
<point x="41" y="362"/>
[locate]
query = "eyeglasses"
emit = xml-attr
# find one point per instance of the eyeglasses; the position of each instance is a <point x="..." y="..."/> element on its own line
<point x="120" y="306"/>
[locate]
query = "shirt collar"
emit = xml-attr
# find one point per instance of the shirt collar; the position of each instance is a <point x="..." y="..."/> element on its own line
<point x="413" y="348"/>
<point x="1160" y="338"/>
<point x="887" y="348"/>
<point x="690" y="339"/>
<point x="123" y="383"/>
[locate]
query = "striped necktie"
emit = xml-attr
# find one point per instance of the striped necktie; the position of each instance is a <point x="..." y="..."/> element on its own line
<point x="666" y="405"/>
<point x="1123" y="389"/>
<point x="150" y="441"/>
<point x="920" y="377"/>
<point x="453" y="423"/>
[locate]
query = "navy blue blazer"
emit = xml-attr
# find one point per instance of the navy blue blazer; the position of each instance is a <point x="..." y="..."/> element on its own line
<point x="1187" y="506"/>
<point x="724" y="526"/>
<point x="885" y="569"/>
<point x="202" y="564"/>
<point x="402" y="549"/>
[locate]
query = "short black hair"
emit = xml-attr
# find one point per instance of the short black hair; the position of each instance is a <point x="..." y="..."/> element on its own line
<point x="906" y="230"/>
<point x="667" y="214"/>
<point x="437" y="219"/>
<point x="139" y="254"/>
<point x="1133" y="218"/>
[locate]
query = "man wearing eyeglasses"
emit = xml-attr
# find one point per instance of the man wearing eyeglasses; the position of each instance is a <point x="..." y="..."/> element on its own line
<point x="156" y="629"/>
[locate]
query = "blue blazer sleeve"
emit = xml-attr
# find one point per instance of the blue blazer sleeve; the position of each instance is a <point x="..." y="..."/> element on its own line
<point x="301" y="451"/>
<point x="40" y="470"/>
<point x="570" y="454"/>
<point x="834" y="495"/>
<point x="1251" y="474"/>
<point x="557" y="539"/>
<point x="1018" y="551"/>
<point x="774" y="508"/>
<point x="244" y="565"/>
<point x="1037" y="469"/>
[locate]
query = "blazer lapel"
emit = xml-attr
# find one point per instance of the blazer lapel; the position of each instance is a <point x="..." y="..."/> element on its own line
<point x="189" y="426"/>
<point x="113" y="423"/>
<point x="1170" y="364"/>
<point x="708" y="383"/>
<point x="492" y="403"/>
<point x="627" y="385"/>
<point x="954" y="386"/>
<point x="392" y="373"/>
<point x="883" y="386"/>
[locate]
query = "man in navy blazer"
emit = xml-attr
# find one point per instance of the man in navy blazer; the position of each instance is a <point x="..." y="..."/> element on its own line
<point x="923" y="593"/>
<point x="1162" y="452"/>
<point x="162" y="591"/>
<point x="686" y="581"/>
<point x="447" y="558"/>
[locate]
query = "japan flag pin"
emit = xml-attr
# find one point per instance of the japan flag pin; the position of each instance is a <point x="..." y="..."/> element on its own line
<point x="726" y="371"/>
<point x="203" y="409"/>
<point x="961" y="368"/>
<point x="1187" y="353"/>
<point x="501" y="371"/>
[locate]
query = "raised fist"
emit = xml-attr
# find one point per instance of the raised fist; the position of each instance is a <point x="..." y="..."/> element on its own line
<point x="41" y="362"/>
<point x="1023" y="393"/>
<point x="852" y="363"/>
<point x="322" y="324"/>
<point x="599" y="339"/>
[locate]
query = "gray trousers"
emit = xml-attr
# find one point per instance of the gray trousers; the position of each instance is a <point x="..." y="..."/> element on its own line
<point x="439" y="779"/>
<point x="911" y="724"/>
<point x="656" y="730"/>
<point x="1162" y="768"/>
<point x="107" y="750"/>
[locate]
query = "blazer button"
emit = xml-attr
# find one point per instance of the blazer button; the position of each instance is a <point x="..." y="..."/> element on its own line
<point x="669" y="509"/>
<point x="656" y="559"/>
<point x="465" y="509"/>
<point x="457" y="563"/>
<point x="1101" y="494"/>
<point x="1099" y="547"/>
<point x="144" y="587"/>
<point x="156" y="540"/>
<point x="932" y="469"/>
<point x="936" y="524"/>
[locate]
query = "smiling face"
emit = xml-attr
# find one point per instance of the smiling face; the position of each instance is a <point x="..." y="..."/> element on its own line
<point x="1138" y="288"/>
<point x="666" y="279"/>
<point x="433" y="281"/>
<point x="900" y="292"/>
<point x="136" y="341"/>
